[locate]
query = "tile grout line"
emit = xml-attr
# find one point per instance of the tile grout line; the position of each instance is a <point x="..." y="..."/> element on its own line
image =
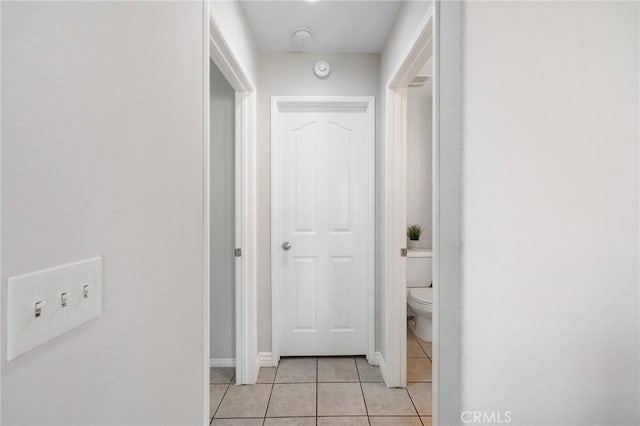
<point x="425" y="357"/>
<point x="306" y="383"/>
<point x="414" y="405"/>
<point x="419" y="345"/>
<point x="392" y="416"/>
<point x="408" y="383"/>
<point x="223" y="395"/>
<point x="221" y="399"/>
<point x="366" y="409"/>
<point x="273" y="385"/>
<point x="425" y="352"/>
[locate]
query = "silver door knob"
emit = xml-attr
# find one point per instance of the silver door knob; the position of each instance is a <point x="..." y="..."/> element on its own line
<point x="286" y="245"/>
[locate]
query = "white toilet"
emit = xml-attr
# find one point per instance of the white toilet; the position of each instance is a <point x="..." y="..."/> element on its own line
<point x="419" y="292"/>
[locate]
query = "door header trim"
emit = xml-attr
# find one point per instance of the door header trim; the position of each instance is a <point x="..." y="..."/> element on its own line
<point x="355" y="103"/>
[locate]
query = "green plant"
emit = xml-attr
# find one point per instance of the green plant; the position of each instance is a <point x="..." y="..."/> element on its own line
<point x="414" y="232"/>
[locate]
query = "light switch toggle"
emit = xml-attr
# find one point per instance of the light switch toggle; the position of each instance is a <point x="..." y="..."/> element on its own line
<point x="39" y="306"/>
<point x="64" y="299"/>
<point x="85" y="290"/>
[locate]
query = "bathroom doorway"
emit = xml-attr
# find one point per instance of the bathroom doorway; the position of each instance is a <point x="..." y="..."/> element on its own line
<point x="418" y="132"/>
<point x="397" y="164"/>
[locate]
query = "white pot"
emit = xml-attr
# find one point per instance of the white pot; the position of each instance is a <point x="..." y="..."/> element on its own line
<point x="413" y="244"/>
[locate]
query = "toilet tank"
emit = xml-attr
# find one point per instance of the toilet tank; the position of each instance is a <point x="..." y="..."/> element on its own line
<point x="419" y="268"/>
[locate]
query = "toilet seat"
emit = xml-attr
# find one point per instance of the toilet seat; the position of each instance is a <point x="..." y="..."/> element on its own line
<point x="421" y="295"/>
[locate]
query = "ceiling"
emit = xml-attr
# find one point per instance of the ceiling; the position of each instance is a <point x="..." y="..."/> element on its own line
<point x="337" y="26"/>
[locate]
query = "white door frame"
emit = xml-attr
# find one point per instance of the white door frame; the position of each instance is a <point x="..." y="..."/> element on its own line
<point x="368" y="104"/>
<point x="206" y="211"/>
<point x="395" y="216"/>
<point x="448" y="191"/>
<point x="439" y="33"/>
<point x="246" y="350"/>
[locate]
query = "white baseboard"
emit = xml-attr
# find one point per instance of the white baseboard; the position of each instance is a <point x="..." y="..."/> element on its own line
<point x="379" y="361"/>
<point x="265" y="359"/>
<point x="222" y="362"/>
<point x="374" y="359"/>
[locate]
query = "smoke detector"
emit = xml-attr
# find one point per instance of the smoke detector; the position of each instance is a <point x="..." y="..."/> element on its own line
<point x="322" y="69"/>
<point x="302" y="37"/>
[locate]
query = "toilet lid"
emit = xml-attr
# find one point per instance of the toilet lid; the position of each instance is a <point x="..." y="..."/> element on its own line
<point x="423" y="295"/>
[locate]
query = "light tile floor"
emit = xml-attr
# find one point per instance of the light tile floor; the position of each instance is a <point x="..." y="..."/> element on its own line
<point x="326" y="391"/>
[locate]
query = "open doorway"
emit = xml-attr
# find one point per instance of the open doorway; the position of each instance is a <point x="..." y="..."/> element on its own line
<point x="230" y="329"/>
<point x="407" y="190"/>
<point x="418" y="124"/>
<point x="222" y="226"/>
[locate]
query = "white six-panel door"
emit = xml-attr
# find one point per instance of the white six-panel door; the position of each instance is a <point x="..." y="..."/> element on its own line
<point x="322" y="225"/>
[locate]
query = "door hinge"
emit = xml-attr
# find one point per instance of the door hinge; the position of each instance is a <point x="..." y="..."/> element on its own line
<point x="238" y="252"/>
<point x="403" y="252"/>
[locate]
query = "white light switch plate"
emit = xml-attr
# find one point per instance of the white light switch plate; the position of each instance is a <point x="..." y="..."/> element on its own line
<point x="25" y="331"/>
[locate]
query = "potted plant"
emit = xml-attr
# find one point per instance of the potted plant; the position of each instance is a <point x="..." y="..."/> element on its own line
<point x="413" y="235"/>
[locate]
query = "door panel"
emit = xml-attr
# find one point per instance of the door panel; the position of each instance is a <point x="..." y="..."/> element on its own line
<point x="340" y="202"/>
<point x="341" y="285"/>
<point x="304" y="284"/>
<point x="324" y="207"/>
<point x="304" y="142"/>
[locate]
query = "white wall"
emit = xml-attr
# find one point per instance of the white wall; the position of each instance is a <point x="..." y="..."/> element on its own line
<point x="550" y="292"/>
<point x="419" y="166"/>
<point x="405" y="27"/>
<point x="292" y="74"/>
<point x="237" y="32"/>
<point x="102" y="155"/>
<point x="222" y="296"/>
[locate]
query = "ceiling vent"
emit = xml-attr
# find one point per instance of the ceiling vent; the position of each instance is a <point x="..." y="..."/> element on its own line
<point x="420" y="80"/>
<point x="302" y="37"/>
